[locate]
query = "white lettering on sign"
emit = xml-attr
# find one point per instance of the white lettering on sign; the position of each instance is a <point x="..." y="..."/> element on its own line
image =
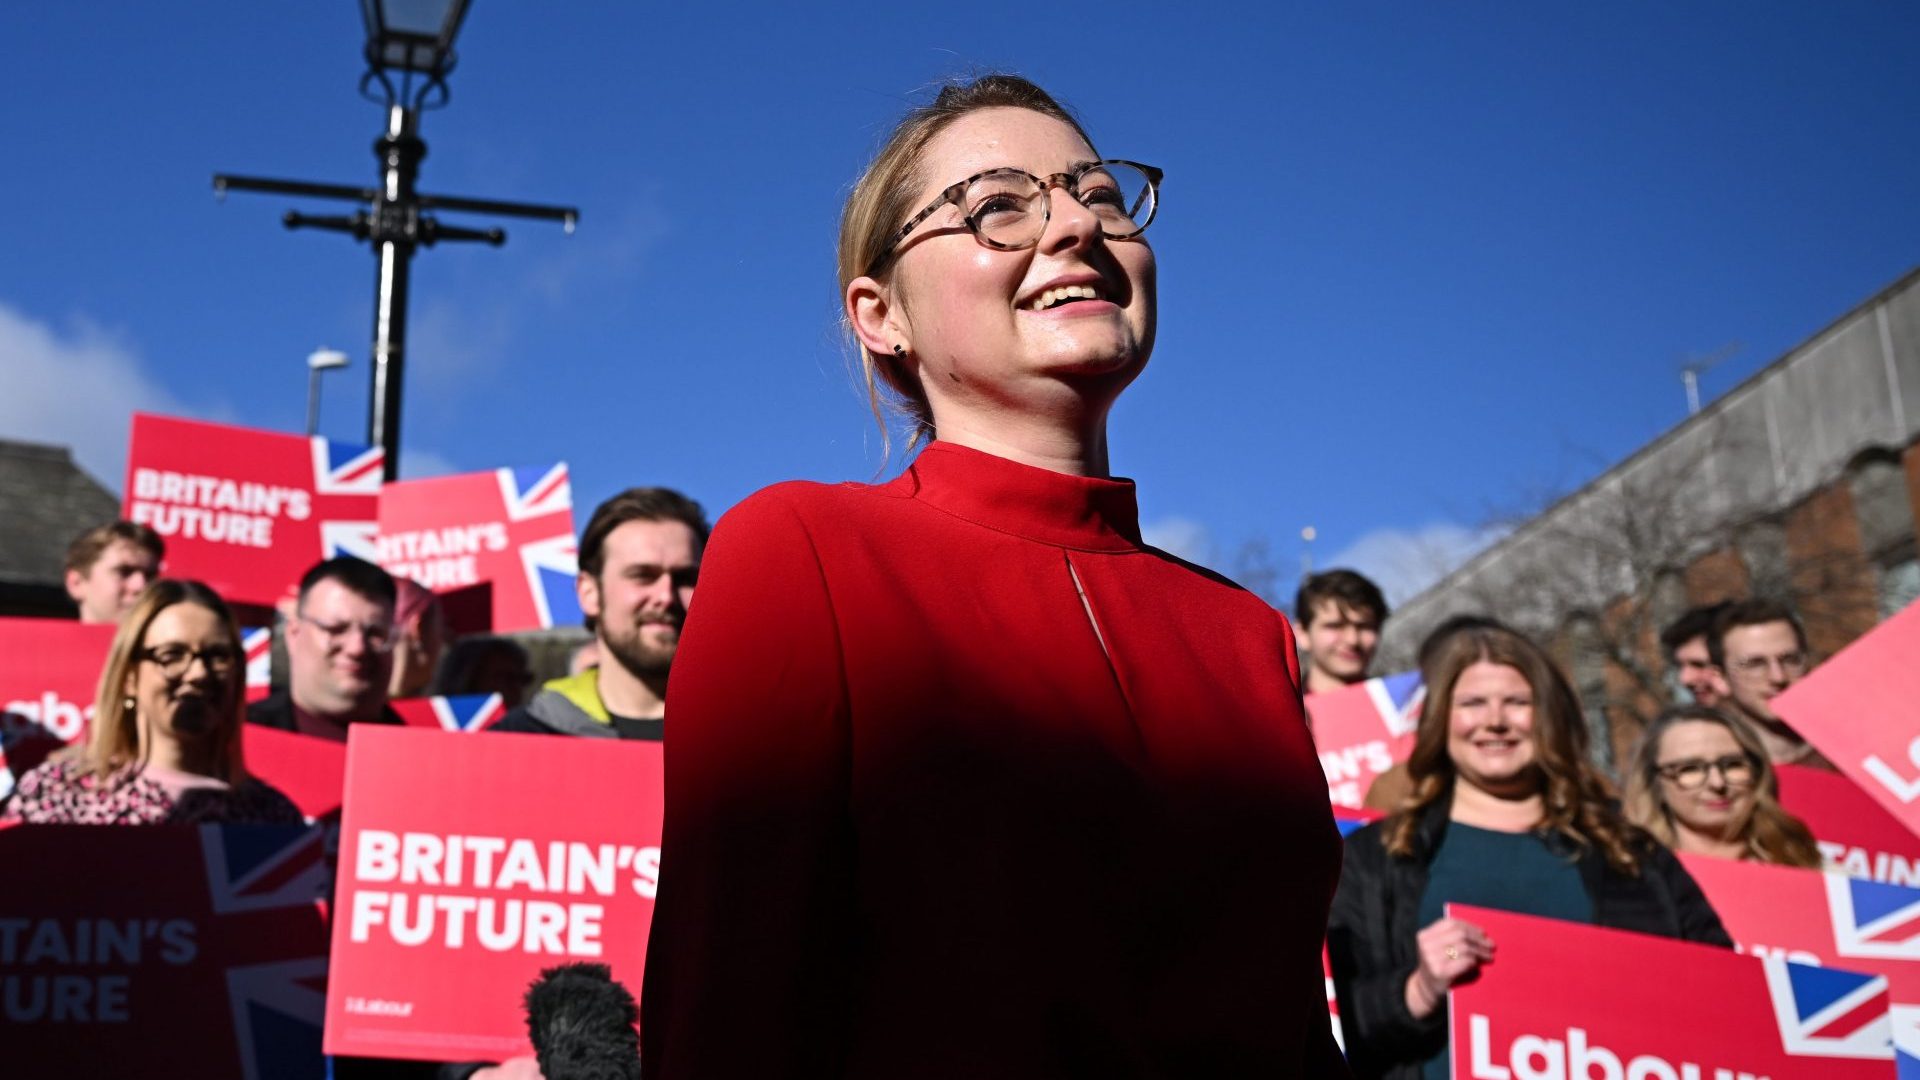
<point x="1882" y="866"/>
<point x="62" y="719"/>
<point x="1902" y="788"/>
<point x="561" y="927"/>
<point x="1534" y="1057"/>
<point x="214" y="508"/>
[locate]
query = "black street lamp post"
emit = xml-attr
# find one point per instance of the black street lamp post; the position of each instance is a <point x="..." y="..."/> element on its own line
<point x="415" y="41"/>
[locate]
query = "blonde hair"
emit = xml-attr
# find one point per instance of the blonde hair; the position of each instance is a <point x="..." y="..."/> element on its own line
<point x="880" y="204"/>
<point x="1577" y="806"/>
<point x="114" y="741"/>
<point x="1770" y="834"/>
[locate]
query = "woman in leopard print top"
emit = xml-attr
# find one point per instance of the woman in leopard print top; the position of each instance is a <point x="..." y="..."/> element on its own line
<point x="167" y="725"/>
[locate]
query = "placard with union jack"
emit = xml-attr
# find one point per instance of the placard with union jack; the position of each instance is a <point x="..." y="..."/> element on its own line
<point x="166" y="951"/>
<point x="1856" y="834"/>
<point x="249" y="511"/>
<point x="454" y="712"/>
<point x="1364" y="730"/>
<point x="510" y="530"/>
<point x="1571" y="1000"/>
<point x="1828" y="919"/>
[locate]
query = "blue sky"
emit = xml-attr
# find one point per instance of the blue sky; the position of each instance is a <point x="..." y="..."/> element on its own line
<point x="1419" y="263"/>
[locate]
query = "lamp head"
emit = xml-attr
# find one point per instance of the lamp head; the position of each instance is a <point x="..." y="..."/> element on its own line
<point x="326" y="360"/>
<point x="412" y="36"/>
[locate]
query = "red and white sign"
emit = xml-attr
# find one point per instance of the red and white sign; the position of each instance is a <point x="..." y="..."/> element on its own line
<point x="1364" y="730"/>
<point x="1567" y="1000"/>
<point x="1855" y="834"/>
<point x="461" y="878"/>
<point x="310" y="771"/>
<point x="250" y="511"/>
<point x="1830" y="919"/>
<point x="49" y="673"/>
<point x="509" y="529"/>
<point x="162" y="950"/>
<point x="1862" y="710"/>
<point x="257" y="643"/>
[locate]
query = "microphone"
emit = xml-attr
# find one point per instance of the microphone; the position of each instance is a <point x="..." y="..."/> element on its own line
<point x="582" y="1024"/>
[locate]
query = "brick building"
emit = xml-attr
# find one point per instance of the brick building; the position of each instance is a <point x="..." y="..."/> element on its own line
<point x="1801" y="483"/>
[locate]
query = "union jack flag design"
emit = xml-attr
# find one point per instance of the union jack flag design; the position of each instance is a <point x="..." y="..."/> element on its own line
<point x="550" y="562"/>
<point x="1827" y="1012"/>
<point x="1399" y="699"/>
<point x="1873" y="919"/>
<point x="227" y="977"/>
<point x="458" y="712"/>
<point x="345" y="469"/>
<point x="257" y="643"/>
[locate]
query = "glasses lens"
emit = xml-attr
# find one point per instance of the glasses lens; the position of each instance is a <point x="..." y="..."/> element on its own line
<point x="1005" y="208"/>
<point x="1120" y="196"/>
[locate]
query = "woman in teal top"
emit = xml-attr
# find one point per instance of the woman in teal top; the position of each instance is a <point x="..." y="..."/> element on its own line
<point x="1506" y="812"/>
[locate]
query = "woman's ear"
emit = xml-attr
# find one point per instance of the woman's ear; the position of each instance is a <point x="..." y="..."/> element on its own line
<point x="877" y="320"/>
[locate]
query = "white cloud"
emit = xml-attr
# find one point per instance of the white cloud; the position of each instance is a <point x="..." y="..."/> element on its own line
<point x="1180" y="536"/>
<point x="422" y="464"/>
<point x="75" y="387"/>
<point x="1404" y="562"/>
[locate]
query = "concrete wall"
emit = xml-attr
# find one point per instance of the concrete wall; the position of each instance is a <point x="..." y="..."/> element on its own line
<point x="1709" y="499"/>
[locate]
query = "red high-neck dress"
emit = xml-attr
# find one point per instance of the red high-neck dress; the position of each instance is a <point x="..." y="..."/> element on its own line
<point x="923" y="821"/>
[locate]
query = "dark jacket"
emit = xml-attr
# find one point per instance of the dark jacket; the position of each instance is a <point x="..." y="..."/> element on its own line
<point x="1370" y="933"/>
<point x="276" y="711"/>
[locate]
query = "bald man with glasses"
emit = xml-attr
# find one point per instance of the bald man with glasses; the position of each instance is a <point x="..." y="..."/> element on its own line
<point x="340" y="638"/>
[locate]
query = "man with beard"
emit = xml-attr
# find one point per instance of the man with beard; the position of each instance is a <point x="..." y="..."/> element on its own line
<point x="639" y="559"/>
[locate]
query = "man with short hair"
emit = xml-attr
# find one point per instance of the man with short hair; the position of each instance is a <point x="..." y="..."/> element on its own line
<point x="1340" y="614"/>
<point x="109" y="566"/>
<point x="1761" y="649"/>
<point x="1690" y="656"/>
<point x="340" y="638"/>
<point x="639" y="561"/>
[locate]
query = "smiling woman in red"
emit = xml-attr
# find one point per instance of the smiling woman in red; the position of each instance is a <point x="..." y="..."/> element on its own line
<point x="963" y="779"/>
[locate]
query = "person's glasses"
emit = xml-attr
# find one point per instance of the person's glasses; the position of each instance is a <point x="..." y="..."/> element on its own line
<point x="1794" y="664"/>
<point x="1008" y="209"/>
<point x="378" y="636"/>
<point x="174" y="660"/>
<point x="1692" y="773"/>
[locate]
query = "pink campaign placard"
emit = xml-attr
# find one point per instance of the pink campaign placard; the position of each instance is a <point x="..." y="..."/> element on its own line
<point x="509" y="530"/>
<point x="470" y="863"/>
<point x="1862" y="710"/>
<point x="1565" y="999"/>
<point x="1364" y="730"/>
<point x="50" y="673"/>
<point x="1828" y="919"/>
<point x="1855" y="833"/>
<point x="248" y="511"/>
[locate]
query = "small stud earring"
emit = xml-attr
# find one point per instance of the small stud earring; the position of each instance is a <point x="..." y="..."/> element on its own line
<point x="131" y="705"/>
<point x="900" y="351"/>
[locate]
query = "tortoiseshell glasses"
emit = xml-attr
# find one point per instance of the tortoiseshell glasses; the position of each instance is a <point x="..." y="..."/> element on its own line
<point x="1008" y="209"/>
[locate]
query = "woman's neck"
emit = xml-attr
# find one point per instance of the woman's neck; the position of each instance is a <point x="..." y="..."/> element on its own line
<point x="1697" y="842"/>
<point x="1518" y="812"/>
<point x="1075" y="445"/>
<point x="166" y="752"/>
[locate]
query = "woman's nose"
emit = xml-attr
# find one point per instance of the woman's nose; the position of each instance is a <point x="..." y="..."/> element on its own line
<point x="1069" y="222"/>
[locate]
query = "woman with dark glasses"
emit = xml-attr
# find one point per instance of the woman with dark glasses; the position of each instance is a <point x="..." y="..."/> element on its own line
<point x="964" y="779"/>
<point x="1701" y="783"/>
<point x="164" y="746"/>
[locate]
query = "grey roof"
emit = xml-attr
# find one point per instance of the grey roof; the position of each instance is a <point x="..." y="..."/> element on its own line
<point x="45" y="501"/>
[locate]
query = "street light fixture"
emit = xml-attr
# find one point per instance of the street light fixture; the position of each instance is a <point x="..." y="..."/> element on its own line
<point x="412" y="39"/>
<point x="318" y="361"/>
